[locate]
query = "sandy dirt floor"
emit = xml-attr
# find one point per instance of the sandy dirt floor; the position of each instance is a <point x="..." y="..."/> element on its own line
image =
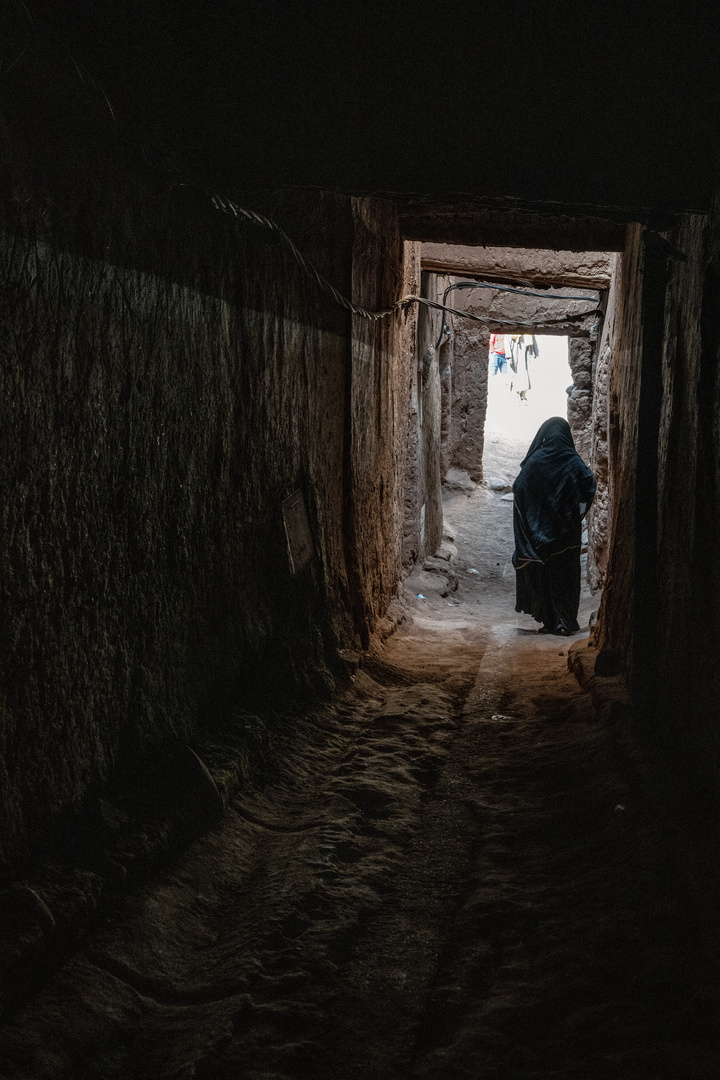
<point x="454" y="870"/>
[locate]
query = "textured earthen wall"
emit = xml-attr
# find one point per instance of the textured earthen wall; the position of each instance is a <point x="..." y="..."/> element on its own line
<point x="616" y="610"/>
<point x="599" y="517"/>
<point x="527" y="314"/>
<point x="688" y="624"/>
<point x="581" y="354"/>
<point x="454" y="221"/>
<point x="169" y="379"/>
<point x="469" y="398"/>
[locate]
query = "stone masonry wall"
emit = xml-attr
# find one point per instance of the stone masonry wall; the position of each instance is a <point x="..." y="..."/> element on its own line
<point x="581" y="354"/>
<point x="469" y="398"/>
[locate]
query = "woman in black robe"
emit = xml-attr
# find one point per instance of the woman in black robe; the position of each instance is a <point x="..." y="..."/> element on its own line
<point x="552" y="495"/>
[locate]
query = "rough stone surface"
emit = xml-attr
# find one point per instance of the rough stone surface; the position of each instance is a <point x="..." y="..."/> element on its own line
<point x="469" y="401"/>
<point x="599" y="517"/>
<point x="581" y="352"/>
<point x="459" y="480"/>
<point x="528" y="314"/>
<point x="589" y="269"/>
<point x="446" y="363"/>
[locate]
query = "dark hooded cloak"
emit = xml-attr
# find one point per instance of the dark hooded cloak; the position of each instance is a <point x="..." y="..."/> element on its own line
<point x="552" y="494"/>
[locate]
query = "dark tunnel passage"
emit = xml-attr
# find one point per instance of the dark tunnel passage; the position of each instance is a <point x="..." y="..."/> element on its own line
<point x="287" y="786"/>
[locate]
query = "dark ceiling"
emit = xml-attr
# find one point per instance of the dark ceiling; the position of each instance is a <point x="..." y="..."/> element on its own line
<point x="605" y="104"/>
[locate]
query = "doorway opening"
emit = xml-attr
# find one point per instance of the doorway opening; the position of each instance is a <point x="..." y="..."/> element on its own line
<point x="471" y="425"/>
<point x="516" y="410"/>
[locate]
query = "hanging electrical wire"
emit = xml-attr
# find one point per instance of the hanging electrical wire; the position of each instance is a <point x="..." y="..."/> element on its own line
<point x="233" y="209"/>
<point x="510" y="289"/>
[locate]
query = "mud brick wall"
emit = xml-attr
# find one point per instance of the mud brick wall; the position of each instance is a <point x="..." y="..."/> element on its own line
<point x="469" y="398"/>
<point x="169" y="379"/>
<point x="581" y="354"/>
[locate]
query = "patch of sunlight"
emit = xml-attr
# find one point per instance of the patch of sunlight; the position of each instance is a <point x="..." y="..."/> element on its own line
<point x="508" y="414"/>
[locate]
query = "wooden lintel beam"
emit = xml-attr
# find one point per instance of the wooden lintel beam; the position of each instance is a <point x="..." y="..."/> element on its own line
<point x="511" y="276"/>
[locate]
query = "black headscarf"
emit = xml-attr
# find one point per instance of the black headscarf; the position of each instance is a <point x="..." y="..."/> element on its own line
<point x="552" y="492"/>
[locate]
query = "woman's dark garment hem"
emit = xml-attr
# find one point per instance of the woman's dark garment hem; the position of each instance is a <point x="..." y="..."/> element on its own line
<point x="550" y="592"/>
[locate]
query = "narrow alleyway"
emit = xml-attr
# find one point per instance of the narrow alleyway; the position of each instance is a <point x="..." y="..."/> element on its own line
<point x="272" y="808"/>
<point x="454" y="870"/>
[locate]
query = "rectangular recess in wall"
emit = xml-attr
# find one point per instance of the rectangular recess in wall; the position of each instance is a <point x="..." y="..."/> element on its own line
<point x="301" y="548"/>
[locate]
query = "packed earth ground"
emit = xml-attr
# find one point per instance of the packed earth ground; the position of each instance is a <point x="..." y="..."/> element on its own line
<point x="456" y="869"/>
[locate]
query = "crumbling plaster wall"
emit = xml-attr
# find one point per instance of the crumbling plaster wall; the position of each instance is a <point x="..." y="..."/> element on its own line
<point x="169" y="378"/>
